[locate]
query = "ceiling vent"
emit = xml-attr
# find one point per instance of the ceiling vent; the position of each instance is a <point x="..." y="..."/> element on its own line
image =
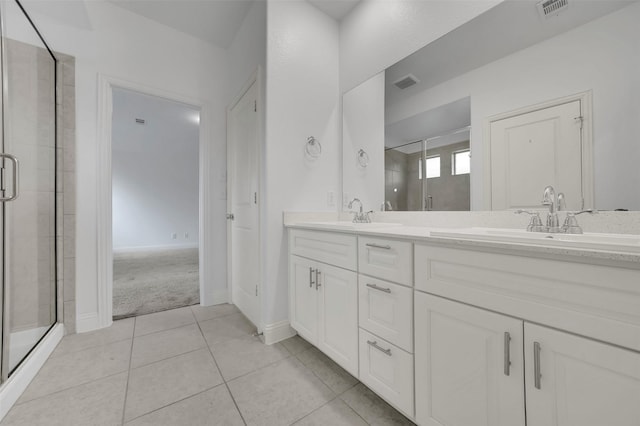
<point x="140" y="120"/>
<point x="406" y="81"/>
<point x="549" y="8"/>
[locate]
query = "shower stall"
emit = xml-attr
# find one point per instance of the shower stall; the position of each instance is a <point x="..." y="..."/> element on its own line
<point x="28" y="157"/>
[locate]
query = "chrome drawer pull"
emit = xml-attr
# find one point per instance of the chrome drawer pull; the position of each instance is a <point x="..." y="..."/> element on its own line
<point x="318" y="275"/>
<point x="378" y="246"/>
<point x="375" y="287"/>
<point x="381" y="349"/>
<point x="507" y="353"/>
<point x="311" y="271"/>
<point x="536" y="365"/>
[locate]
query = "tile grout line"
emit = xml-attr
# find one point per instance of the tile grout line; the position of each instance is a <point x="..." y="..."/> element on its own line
<point x="126" y="389"/>
<point x="175" y="402"/>
<point x="221" y="375"/>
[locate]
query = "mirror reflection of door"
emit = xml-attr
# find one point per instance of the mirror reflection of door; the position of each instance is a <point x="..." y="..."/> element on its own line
<point x="534" y="149"/>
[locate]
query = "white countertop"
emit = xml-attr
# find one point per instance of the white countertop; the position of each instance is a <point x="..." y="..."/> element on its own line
<point x="612" y="256"/>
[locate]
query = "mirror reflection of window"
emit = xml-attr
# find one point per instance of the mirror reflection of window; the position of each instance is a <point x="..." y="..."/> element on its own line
<point x="433" y="167"/>
<point x="461" y="161"/>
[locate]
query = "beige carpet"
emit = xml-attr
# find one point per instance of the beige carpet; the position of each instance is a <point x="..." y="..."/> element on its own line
<point x="153" y="281"/>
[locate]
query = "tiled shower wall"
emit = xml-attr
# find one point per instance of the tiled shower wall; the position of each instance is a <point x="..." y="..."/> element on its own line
<point x="30" y="229"/>
<point x="66" y="192"/>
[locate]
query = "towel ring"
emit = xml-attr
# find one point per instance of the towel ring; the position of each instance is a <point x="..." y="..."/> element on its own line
<point x="313" y="148"/>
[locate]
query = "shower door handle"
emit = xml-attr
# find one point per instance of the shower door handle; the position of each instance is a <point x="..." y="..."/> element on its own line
<point x="16" y="172"/>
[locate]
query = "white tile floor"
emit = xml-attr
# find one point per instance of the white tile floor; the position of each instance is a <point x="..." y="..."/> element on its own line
<point x="193" y="366"/>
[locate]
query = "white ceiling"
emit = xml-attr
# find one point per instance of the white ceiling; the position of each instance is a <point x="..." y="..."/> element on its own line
<point x="214" y="21"/>
<point x="337" y="9"/>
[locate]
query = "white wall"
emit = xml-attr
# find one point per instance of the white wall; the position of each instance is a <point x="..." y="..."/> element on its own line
<point x="378" y="33"/>
<point x="154" y="172"/>
<point x="601" y="56"/>
<point x="129" y="47"/>
<point x="248" y="51"/>
<point x="302" y="100"/>
<point x="363" y="128"/>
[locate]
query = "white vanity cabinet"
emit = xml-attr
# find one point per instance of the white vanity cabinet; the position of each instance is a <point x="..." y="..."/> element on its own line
<point x="323" y="298"/>
<point x="461" y="351"/>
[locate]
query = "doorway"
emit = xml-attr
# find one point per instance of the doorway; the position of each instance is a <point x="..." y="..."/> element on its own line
<point x="155" y="204"/>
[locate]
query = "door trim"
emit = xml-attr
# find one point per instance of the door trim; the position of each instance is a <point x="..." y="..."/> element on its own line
<point x="586" y="109"/>
<point x="255" y="78"/>
<point x="106" y="84"/>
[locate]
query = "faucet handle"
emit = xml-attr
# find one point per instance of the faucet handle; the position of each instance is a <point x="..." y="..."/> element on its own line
<point x="570" y="225"/>
<point x="535" y="225"/>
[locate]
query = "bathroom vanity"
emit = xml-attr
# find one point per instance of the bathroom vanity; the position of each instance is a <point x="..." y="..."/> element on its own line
<point x="459" y="327"/>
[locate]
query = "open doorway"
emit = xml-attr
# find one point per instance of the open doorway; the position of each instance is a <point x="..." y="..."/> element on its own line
<point x="155" y="204"/>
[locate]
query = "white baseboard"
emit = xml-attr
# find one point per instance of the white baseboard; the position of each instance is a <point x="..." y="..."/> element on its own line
<point x="117" y="250"/>
<point x="20" y="379"/>
<point x="87" y="322"/>
<point x="277" y="332"/>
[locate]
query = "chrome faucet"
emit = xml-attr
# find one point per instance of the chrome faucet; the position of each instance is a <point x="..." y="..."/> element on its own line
<point x="359" y="216"/>
<point x="550" y="199"/>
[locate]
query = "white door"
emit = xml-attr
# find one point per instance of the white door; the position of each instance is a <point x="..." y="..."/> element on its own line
<point x="581" y="382"/>
<point x="469" y="372"/>
<point x="338" y="315"/>
<point x="303" y="297"/>
<point x="242" y="165"/>
<point x="536" y="149"/>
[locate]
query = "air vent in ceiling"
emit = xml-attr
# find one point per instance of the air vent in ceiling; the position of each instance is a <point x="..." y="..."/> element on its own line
<point x="140" y="120"/>
<point x="406" y="81"/>
<point x="549" y="8"/>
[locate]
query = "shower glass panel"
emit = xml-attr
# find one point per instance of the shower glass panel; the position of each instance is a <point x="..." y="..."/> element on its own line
<point x="28" y="186"/>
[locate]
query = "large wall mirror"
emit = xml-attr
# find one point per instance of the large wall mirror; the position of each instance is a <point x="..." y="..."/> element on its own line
<point x="488" y="115"/>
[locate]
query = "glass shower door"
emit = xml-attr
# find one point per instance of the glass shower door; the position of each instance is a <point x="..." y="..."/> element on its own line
<point x="28" y="186"/>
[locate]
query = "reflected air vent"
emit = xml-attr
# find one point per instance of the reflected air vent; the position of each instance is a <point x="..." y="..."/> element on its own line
<point x="140" y="120"/>
<point x="406" y="81"/>
<point x="549" y="8"/>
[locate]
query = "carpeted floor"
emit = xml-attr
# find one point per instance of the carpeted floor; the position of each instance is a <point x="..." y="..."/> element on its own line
<point x="153" y="281"/>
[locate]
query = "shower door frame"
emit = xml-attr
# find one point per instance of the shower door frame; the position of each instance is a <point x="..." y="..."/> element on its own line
<point x="5" y="370"/>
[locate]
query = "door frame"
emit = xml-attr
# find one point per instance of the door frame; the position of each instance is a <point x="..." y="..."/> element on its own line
<point x="106" y="84"/>
<point x="255" y="78"/>
<point x="586" y="110"/>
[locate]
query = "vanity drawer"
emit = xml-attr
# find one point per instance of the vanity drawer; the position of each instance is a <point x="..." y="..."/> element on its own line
<point x="391" y="260"/>
<point x="387" y="370"/>
<point x="597" y="301"/>
<point x="328" y="247"/>
<point x="386" y="310"/>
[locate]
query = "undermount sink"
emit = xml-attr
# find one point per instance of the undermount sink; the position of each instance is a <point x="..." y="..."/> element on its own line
<point x="350" y="225"/>
<point x="593" y="241"/>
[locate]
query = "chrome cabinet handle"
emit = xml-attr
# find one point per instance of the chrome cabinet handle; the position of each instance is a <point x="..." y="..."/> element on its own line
<point x="375" y="287"/>
<point x="15" y="174"/>
<point x="507" y="353"/>
<point x="311" y="271"/>
<point x="387" y="247"/>
<point x="536" y="365"/>
<point x="381" y="349"/>
<point x="318" y="276"/>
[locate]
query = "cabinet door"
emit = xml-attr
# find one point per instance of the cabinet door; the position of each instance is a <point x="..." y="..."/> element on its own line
<point x="303" y="298"/>
<point x="338" y="316"/>
<point x="461" y="359"/>
<point x="581" y="382"/>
